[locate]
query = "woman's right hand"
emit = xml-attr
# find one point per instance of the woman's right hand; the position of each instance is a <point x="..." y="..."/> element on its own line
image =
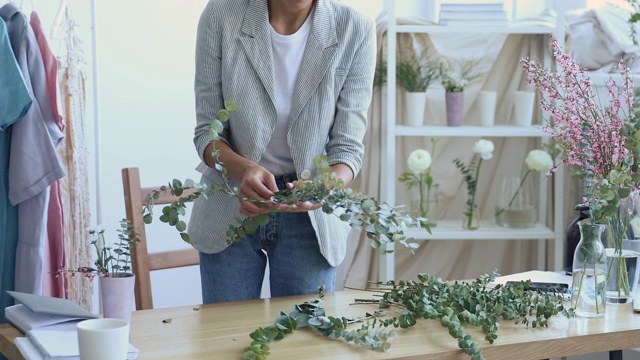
<point x="256" y="183"/>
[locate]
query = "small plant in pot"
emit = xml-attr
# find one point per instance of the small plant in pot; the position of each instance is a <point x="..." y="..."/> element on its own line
<point x="415" y="74"/>
<point x="454" y="76"/>
<point x="113" y="266"/>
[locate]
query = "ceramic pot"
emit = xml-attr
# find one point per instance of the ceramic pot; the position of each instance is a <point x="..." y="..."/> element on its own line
<point x="414" y="106"/>
<point x="116" y="295"/>
<point x="455" y="105"/>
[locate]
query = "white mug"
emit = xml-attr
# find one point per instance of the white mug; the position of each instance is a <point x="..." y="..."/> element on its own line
<point x="487" y="107"/>
<point x="103" y="339"/>
<point x="523" y="107"/>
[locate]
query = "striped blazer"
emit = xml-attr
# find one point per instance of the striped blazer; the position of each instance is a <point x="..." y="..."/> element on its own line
<point x="328" y="111"/>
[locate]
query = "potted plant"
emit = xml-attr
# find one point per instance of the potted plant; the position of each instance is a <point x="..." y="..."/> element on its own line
<point x="113" y="267"/>
<point x="415" y="74"/>
<point x="454" y="76"/>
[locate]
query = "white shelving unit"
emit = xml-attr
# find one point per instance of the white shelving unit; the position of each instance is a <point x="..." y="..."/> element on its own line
<point x="452" y="230"/>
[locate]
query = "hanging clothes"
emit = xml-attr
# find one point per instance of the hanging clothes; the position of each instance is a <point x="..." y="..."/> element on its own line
<point x="74" y="154"/>
<point x="33" y="161"/>
<point x="54" y="256"/>
<point x="15" y="101"/>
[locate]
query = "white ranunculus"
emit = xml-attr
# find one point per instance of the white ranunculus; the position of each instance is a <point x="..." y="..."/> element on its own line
<point x="419" y="161"/>
<point x="484" y="148"/>
<point x="539" y="160"/>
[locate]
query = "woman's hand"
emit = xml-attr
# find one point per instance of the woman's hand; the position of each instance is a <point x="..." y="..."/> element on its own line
<point x="300" y="206"/>
<point x="259" y="184"/>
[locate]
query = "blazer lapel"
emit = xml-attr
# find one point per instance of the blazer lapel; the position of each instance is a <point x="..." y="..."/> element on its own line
<point x="318" y="55"/>
<point x="256" y="41"/>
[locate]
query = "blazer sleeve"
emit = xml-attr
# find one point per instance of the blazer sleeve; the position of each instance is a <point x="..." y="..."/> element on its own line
<point x="350" y="124"/>
<point x="208" y="84"/>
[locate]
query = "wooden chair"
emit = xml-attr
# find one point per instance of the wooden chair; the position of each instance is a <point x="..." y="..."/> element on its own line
<point x="143" y="262"/>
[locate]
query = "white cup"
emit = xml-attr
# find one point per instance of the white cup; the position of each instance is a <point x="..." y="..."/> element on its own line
<point x="523" y="107"/>
<point x="103" y="339"/>
<point x="487" y="107"/>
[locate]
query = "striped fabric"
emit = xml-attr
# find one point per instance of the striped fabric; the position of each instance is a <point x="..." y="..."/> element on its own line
<point x="328" y="112"/>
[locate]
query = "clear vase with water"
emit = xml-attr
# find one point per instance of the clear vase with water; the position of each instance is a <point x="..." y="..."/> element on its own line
<point x="424" y="200"/>
<point x="588" y="290"/>
<point x="471" y="215"/>
<point x="515" y="206"/>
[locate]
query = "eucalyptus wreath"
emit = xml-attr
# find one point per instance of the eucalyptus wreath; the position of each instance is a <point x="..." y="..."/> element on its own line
<point x="454" y="305"/>
<point x="382" y="223"/>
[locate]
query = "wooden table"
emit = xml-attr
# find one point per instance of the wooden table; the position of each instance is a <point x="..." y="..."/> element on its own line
<point x="221" y="331"/>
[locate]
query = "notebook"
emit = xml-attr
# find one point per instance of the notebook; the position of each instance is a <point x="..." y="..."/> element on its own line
<point x="37" y="311"/>
<point x="55" y="345"/>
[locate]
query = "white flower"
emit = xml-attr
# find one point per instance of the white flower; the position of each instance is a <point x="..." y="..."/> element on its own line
<point x="484" y="148"/>
<point x="419" y="161"/>
<point x="539" y="160"/>
<point x="305" y="174"/>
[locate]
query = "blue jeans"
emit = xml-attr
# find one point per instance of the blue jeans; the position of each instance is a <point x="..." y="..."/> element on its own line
<point x="296" y="266"/>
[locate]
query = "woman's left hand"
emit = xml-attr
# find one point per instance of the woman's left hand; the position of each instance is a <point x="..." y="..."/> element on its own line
<point x="300" y="206"/>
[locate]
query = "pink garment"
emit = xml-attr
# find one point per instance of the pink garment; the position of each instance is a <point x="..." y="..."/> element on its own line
<point x="54" y="256"/>
<point x="55" y="234"/>
<point x="50" y="68"/>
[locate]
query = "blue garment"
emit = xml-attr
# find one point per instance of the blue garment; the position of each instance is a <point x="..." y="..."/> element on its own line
<point x="296" y="265"/>
<point x="33" y="161"/>
<point x="14" y="103"/>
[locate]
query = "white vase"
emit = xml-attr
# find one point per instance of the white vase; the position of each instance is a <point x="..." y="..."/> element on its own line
<point x="523" y="107"/>
<point x="414" y="106"/>
<point x="116" y="295"/>
<point x="487" y="107"/>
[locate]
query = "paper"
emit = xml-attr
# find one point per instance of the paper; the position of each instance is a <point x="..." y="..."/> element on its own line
<point x="27" y="349"/>
<point x="25" y="319"/>
<point x="62" y="345"/>
<point x="536" y="276"/>
<point x="52" y="305"/>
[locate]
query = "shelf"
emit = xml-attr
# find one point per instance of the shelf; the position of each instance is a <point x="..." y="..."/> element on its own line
<point x="470" y="131"/>
<point x="500" y="29"/>
<point x="452" y="230"/>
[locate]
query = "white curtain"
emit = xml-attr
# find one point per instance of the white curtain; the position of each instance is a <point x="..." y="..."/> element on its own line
<point x="455" y="259"/>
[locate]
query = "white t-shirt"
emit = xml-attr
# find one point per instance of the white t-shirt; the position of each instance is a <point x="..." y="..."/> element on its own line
<point x="287" y="57"/>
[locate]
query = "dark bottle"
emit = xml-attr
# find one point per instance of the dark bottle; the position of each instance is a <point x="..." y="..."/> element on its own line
<point x="572" y="237"/>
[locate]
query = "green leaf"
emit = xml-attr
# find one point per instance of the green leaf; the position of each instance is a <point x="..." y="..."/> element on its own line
<point x="262" y="219"/>
<point x="222" y="115"/>
<point x="624" y="192"/>
<point x="185" y="237"/>
<point x="148" y="219"/>
<point x="181" y="226"/>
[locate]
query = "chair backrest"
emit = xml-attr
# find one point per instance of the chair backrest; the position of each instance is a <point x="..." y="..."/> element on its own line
<point x="143" y="262"/>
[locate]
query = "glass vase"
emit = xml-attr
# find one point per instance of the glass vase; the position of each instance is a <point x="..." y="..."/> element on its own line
<point x="589" y="273"/>
<point x="515" y="206"/>
<point x="622" y="265"/>
<point x="471" y="215"/>
<point x="424" y="200"/>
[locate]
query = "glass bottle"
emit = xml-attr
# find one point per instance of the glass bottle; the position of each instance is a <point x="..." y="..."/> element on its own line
<point x="572" y="236"/>
<point x="471" y="219"/>
<point x="589" y="272"/>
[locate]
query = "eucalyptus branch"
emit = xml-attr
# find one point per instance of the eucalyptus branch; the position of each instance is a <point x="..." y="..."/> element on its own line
<point x="382" y="223"/>
<point x="455" y="305"/>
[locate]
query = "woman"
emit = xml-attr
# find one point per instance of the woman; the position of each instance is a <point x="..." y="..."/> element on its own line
<point x="301" y="72"/>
